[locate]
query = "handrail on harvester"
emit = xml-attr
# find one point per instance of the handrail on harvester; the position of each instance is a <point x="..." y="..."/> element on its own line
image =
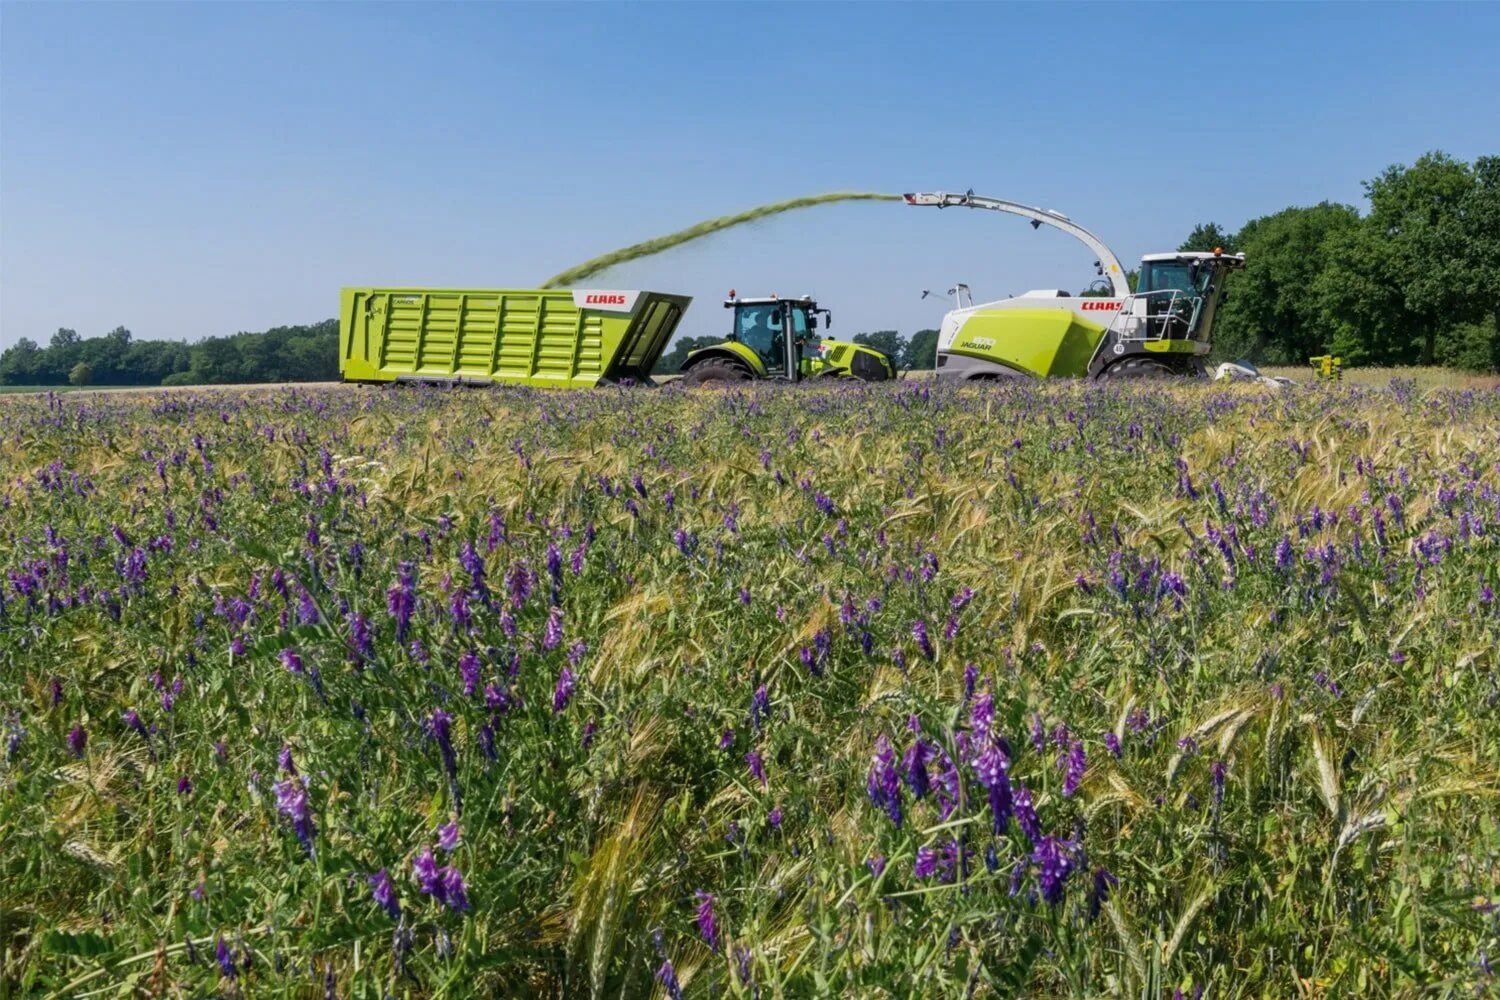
<point x="1109" y="264"/>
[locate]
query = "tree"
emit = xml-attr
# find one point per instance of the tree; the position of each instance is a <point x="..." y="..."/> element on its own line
<point x="1207" y="237"/>
<point x="64" y="338"/>
<point x="81" y="374"/>
<point x="671" y="362"/>
<point x="19" y="363"/>
<point x="1272" y="312"/>
<point x="887" y="342"/>
<point x="921" y="351"/>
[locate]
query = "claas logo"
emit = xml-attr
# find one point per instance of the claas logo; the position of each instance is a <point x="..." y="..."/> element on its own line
<point x="1100" y="304"/>
<point x="603" y="299"/>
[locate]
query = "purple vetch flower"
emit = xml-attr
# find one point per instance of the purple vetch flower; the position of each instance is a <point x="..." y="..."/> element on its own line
<point x="184" y="785"/>
<point x="914" y="764"/>
<point x="971" y="677"/>
<point x="1217" y="771"/>
<point x="883" y="785"/>
<point x="667" y="976"/>
<point x="424" y="869"/>
<point x="726" y="740"/>
<point x="876" y="865"/>
<point x="1055" y="862"/>
<point x="198" y="891"/>
<point x="454" y="892"/>
<point x="1104" y="884"/>
<point x="1328" y="683"/>
<point x="757" y="767"/>
<point x="760" y="707"/>
<point x="361" y="641"/>
<point x="447" y="835"/>
<point x="78" y="740"/>
<point x="1025" y="813"/>
<point x="468" y="669"/>
<point x="225" y="958"/>
<point x="291" y="801"/>
<point x="982" y="717"/>
<point x="221" y="750"/>
<point x="926" y="864"/>
<point x="924" y="643"/>
<point x="707" y="926"/>
<point x="384" y="894"/>
<point x="990" y="767"/>
<point x="1076" y="763"/>
<point x="576" y="651"/>
<point x="291" y="661"/>
<point x="590" y="728"/>
<point x="562" y="693"/>
<point x="284" y="759"/>
<point x="1038" y="734"/>
<point x="774" y="818"/>
<point x="401" y="600"/>
<point x="552" y="635"/>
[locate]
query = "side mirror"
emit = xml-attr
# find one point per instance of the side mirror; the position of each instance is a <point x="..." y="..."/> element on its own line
<point x="828" y="320"/>
<point x="812" y="322"/>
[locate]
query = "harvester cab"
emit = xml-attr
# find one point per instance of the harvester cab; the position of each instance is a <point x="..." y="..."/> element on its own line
<point x="775" y="338"/>
<point x="1162" y="327"/>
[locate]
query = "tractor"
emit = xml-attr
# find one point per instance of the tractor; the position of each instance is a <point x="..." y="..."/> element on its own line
<point x="1162" y="328"/>
<point x="774" y="338"/>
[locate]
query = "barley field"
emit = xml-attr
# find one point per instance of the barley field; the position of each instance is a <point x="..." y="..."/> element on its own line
<point x="861" y="691"/>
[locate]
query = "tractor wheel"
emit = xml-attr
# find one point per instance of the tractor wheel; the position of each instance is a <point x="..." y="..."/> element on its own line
<point x="1135" y="368"/>
<point x="715" y="371"/>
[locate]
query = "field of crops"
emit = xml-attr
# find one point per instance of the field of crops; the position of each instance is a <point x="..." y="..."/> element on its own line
<point x="851" y="691"/>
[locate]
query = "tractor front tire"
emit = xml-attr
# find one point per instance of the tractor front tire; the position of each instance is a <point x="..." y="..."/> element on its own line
<point x="715" y="371"/>
<point x="1136" y="368"/>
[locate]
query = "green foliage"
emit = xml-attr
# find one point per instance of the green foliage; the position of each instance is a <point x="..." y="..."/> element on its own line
<point x="81" y="374"/>
<point x="282" y="354"/>
<point x="1281" y="605"/>
<point x="672" y="360"/>
<point x="1208" y="237"/>
<point x="920" y="353"/>
<point x="888" y="342"/>
<point x="1415" y="281"/>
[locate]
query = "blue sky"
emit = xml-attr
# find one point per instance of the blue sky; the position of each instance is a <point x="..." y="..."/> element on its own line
<point x="195" y="169"/>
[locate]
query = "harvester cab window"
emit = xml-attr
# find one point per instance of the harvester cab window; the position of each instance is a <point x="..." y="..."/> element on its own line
<point x="800" y="332"/>
<point x="759" y="327"/>
<point x="1161" y="279"/>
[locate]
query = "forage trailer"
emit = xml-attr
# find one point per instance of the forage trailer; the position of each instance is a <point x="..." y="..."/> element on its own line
<point x="773" y="338"/>
<point x="538" y="337"/>
<point x="1164" y="327"/>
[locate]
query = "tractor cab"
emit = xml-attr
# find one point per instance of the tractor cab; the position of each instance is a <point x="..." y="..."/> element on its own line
<point x="776" y="338"/>
<point x="1177" y="294"/>
<point x="779" y="331"/>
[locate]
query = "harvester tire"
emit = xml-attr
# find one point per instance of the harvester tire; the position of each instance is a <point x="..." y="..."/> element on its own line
<point x="715" y="370"/>
<point x="1136" y="368"/>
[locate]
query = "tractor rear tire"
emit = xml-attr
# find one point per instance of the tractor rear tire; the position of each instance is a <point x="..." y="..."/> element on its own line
<point x="715" y="371"/>
<point x="1136" y="368"/>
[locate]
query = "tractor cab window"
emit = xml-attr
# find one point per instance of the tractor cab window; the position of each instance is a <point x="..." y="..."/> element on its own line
<point x="1171" y="275"/>
<point x="800" y="331"/>
<point x="1173" y="315"/>
<point x="759" y="327"/>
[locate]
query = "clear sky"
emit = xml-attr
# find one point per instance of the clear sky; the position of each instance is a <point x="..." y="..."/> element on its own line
<point x="194" y="169"/>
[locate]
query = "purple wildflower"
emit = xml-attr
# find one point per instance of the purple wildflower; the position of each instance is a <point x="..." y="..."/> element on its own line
<point x="926" y="864"/>
<point x="876" y="865"/>
<point x="1104" y="884"/>
<point x="429" y="880"/>
<point x="1217" y="772"/>
<point x="454" y="892"/>
<point x="448" y="836"/>
<point x="468" y="669"/>
<point x="1025" y="814"/>
<point x="184" y="785"/>
<point x="284" y="759"/>
<point x="757" y="767"/>
<point x="384" y="894"/>
<point x="726" y="740"/>
<point x="883" y="785"/>
<point x="1038" y="734"/>
<point x="442" y="724"/>
<point x="1076" y="763"/>
<point x="401" y="600"/>
<point x="914" y="764"/>
<point x="919" y="635"/>
<point x="291" y="661"/>
<point x="774" y="818"/>
<point x="225" y="958"/>
<point x="667" y="976"/>
<point x="78" y="739"/>
<point x="562" y="693"/>
<point x="552" y="636"/>
<point x="760" y="707"/>
<point x="291" y="801"/>
<point x="1112" y="744"/>
<point x="1055" y="861"/>
<point x="707" y="926"/>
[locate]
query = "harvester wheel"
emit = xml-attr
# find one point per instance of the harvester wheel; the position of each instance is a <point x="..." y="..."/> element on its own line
<point x="715" y="370"/>
<point x="1136" y="368"/>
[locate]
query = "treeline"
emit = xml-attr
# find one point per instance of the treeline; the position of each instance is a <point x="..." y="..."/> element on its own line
<point x="917" y="352"/>
<point x="1416" y="280"/>
<point x="282" y="354"/>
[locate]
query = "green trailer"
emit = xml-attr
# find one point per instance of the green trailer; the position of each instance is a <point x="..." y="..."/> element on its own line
<point x="539" y="337"/>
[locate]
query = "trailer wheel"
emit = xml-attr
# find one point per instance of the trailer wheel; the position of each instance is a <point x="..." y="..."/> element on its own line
<point x="1136" y="368"/>
<point x="715" y="370"/>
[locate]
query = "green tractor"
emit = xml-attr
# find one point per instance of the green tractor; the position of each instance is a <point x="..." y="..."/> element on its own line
<point x="759" y="347"/>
